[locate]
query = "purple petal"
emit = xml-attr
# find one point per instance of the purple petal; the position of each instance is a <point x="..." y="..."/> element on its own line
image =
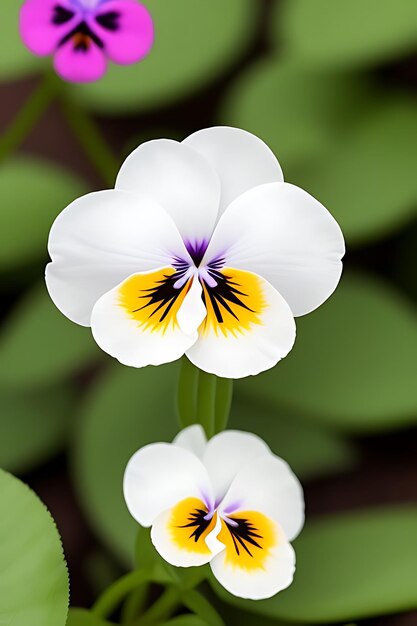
<point x="80" y="60"/>
<point x="43" y="23"/>
<point x="126" y="29"/>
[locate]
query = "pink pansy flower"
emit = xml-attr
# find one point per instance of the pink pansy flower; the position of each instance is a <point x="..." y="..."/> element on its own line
<point x="84" y="34"/>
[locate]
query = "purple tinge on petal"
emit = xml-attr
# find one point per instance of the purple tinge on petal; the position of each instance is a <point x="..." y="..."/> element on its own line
<point x="43" y="24"/>
<point x="197" y="249"/>
<point x="126" y="29"/>
<point x="80" y="60"/>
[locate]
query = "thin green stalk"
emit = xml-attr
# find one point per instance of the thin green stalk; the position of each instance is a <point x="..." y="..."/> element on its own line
<point x="206" y="402"/>
<point x="113" y="596"/>
<point x="134" y="604"/>
<point x="187" y="393"/>
<point x="29" y="115"/>
<point x="91" y="139"/>
<point x="224" y="396"/>
<point x="199" y="605"/>
<point x="162" y="609"/>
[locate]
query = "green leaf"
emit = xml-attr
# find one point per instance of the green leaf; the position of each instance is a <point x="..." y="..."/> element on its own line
<point x="34" y="588"/>
<point x="325" y="33"/>
<point x="18" y="61"/>
<point x="195" y="42"/>
<point x="126" y="409"/>
<point x="33" y="192"/>
<point x="186" y="620"/>
<point x="368" y="179"/>
<point x="39" y="345"/>
<point x="81" y="617"/>
<point x="310" y="450"/>
<point x="33" y="426"/>
<point x="353" y="364"/>
<point x="297" y="113"/>
<point x="350" y="566"/>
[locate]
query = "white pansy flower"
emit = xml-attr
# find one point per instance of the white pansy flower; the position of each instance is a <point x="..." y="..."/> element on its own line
<point x="229" y="502"/>
<point x="200" y="249"/>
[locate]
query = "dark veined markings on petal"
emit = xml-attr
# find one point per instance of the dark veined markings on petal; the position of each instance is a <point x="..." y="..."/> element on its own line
<point x="244" y="535"/>
<point x="61" y="15"/>
<point x="198" y="523"/>
<point x="109" y="21"/>
<point x="82" y="36"/>
<point x="161" y="296"/>
<point x="249" y="538"/>
<point x="225" y="294"/>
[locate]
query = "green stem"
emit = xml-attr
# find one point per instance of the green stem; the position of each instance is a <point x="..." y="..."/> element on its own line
<point x="224" y="396"/>
<point x="161" y="610"/>
<point x="113" y="596"/>
<point x="187" y="393"/>
<point x="29" y="115"/>
<point x="199" y="605"/>
<point x="206" y="402"/>
<point x="134" y="604"/>
<point x="91" y="140"/>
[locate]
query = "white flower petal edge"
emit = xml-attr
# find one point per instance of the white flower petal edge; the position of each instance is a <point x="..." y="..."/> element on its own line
<point x="245" y="533"/>
<point x="253" y="337"/>
<point x="122" y="326"/>
<point x="275" y="575"/>
<point x="160" y="475"/>
<point x="284" y="234"/>
<point x="241" y="160"/>
<point x="101" y="239"/>
<point x="180" y="179"/>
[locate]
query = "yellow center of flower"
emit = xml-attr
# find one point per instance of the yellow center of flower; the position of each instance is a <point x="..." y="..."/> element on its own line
<point x="249" y="540"/>
<point x="234" y="300"/>
<point x="188" y="526"/>
<point x="152" y="300"/>
<point x="234" y="305"/>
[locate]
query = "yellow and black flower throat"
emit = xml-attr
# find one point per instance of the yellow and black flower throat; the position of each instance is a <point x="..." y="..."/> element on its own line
<point x="248" y="537"/>
<point x="233" y="298"/>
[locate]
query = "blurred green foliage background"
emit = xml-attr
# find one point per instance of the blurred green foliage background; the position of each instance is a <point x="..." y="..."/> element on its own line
<point x="330" y="85"/>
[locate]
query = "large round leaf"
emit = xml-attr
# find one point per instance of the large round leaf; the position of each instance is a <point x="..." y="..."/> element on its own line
<point x="335" y="33"/>
<point x="195" y="42"/>
<point x="33" y="426"/>
<point x="127" y="409"/>
<point x="350" y="566"/>
<point x="38" y="345"/>
<point x="368" y="179"/>
<point x="354" y="361"/>
<point x="32" y="193"/>
<point x="16" y="59"/>
<point x="298" y="113"/>
<point x="34" y="589"/>
<point x="310" y="450"/>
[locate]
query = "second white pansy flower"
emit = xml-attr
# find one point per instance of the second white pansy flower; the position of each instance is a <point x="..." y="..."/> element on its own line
<point x="229" y="502"/>
<point x="201" y="249"/>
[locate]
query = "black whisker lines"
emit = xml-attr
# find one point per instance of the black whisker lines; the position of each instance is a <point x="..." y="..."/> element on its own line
<point x="244" y="534"/>
<point x="162" y="296"/>
<point x="224" y="295"/>
<point x="197" y="520"/>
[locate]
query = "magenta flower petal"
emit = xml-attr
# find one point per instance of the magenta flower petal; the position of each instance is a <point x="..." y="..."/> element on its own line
<point x="126" y="29"/>
<point x="80" y="60"/>
<point x="43" y="24"/>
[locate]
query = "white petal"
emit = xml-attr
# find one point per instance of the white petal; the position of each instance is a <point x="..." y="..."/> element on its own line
<point x="250" y="342"/>
<point x="192" y="438"/>
<point x="241" y="160"/>
<point x="268" y="485"/>
<point x="182" y="181"/>
<point x="159" y="476"/>
<point x="127" y="326"/>
<point x="192" y="311"/>
<point x="276" y="573"/>
<point x="282" y="233"/>
<point x="227" y="453"/>
<point x="101" y="239"/>
<point x="186" y="552"/>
